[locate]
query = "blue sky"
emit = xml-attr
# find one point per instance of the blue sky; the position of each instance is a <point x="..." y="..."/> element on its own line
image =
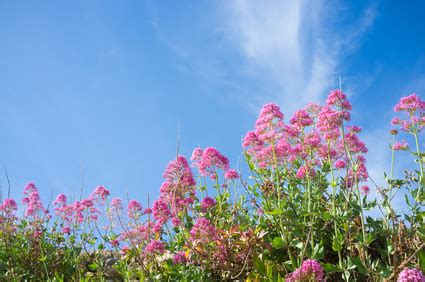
<point x="100" y="87"/>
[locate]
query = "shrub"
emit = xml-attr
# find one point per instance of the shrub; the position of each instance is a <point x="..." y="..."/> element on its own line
<point x="300" y="215"/>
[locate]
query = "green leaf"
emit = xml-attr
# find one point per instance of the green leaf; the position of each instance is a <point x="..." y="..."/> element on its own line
<point x="300" y="245"/>
<point x="327" y="216"/>
<point x="259" y="265"/>
<point x="330" y="267"/>
<point x="421" y="256"/>
<point x="277" y="243"/>
<point x="358" y="263"/>
<point x="274" y="212"/>
<point x="93" y="266"/>
<point x="318" y="252"/>
<point x="337" y="242"/>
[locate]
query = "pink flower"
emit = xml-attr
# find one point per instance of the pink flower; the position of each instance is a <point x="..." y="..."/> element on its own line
<point x="301" y="118"/>
<point x="179" y="186"/>
<point x="309" y="270"/>
<point x="88" y="203"/>
<point x="160" y="211"/>
<point x="251" y="139"/>
<point x="116" y="204"/>
<point x="180" y="257"/>
<point x="207" y="203"/>
<point x="211" y="161"/>
<point x="114" y="243"/>
<point x="155" y="247"/>
<point x="30" y="187"/>
<point x="147" y="211"/>
<point x="133" y="209"/>
<point x="9" y="206"/>
<point x="340" y="164"/>
<point x="203" y="231"/>
<point x="401" y="146"/>
<point x="354" y="129"/>
<point x="339" y="99"/>
<point x="60" y="200"/>
<point x="231" y="174"/>
<point x="354" y="143"/>
<point x="100" y="193"/>
<point x="66" y="230"/>
<point x="411" y="275"/>
<point x="179" y="172"/>
<point x="196" y="156"/>
<point x="269" y="124"/>
<point x="176" y="221"/>
<point x="410" y="104"/>
<point x="330" y="121"/>
<point x="302" y="172"/>
<point x="414" y="109"/>
<point x="33" y="201"/>
<point x="365" y="190"/>
<point x="312" y="140"/>
<point x="268" y="113"/>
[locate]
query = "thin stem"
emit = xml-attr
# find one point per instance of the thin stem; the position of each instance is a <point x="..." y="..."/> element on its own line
<point x="419" y="193"/>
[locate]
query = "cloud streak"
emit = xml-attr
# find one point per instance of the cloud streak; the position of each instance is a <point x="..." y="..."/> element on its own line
<point x="293" y="46"/>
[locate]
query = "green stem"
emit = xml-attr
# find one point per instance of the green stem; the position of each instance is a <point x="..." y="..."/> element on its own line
<point x="419" y="193"/>
<point x="333" y="184"/>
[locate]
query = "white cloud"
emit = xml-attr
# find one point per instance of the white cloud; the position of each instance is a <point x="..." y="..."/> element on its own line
<point x="292" y="45"/>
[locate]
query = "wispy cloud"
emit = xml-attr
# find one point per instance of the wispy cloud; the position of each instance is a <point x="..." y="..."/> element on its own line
<point x="295" y="46"/>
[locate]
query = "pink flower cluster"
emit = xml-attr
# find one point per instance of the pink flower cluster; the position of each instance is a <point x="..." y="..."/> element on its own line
<point x="177" y="192"/>
<point x="33" y="201"/>
<point x="99" y="194"/>
<point x="116" y="205"/>
<point x="310" y="270"/>
<point x="203" y="232"/>
<point x="161" y="211"/>
<point x="209" y="161"/>
<point x="414" y="109"/>
<point x="231" y="174"/>
<point x="9" y="206"/>
<point x="180" y="258"/>
<point x="207" y="203"/>
<point x="313" y="136"/>
<point x="411" y="275"/>
<point x="155" y="247"/>
<point x="400" y="146"/>
<point x="134" y="209"/>
<point x="76" y="212"/>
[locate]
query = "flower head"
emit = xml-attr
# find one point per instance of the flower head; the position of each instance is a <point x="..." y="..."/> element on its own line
<point x="100" y="193"/>
<point x="9" y="206"/>
<point x="134" y="209"/>
<point x="116" y="204"/>
<point x="231" y="174"/>
<point x="401" y="146"/>
<point x="310" y="270"/>
<point x="155" y="247"/>
<point x="203" y="231"/>
<point x="414" y="109"/>
<point x="207" y="203"/>
<point x="410" y="103"/>
<point x="60" y="200"/>
<point x="301" y="118"/>
<point x="411" y="275"/>
<point x="212" y="160"/>
<point x="33" y="201"/>
<point x="179" y="257"/>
